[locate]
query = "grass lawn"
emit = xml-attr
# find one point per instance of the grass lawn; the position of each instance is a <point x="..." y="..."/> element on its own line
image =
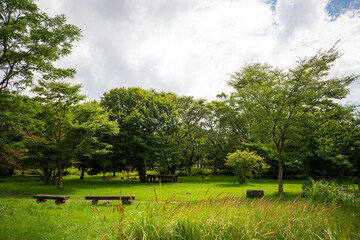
<point x="187" y="189"/>
<point x="230" y="218"/>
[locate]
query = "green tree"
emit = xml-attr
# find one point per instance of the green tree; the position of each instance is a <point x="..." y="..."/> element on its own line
<point x="224" y="132"/>
<point x="145" y="118"/>
<point x="30" y="42"/>
<point x="16" y="120"/>
<point x="192" y="132"/>
<point x="277" y="101"/>
<point x="334" y="149"/>
<point x="57" y="100"/>
<point x="87" y="134"/>
<point x="244" y="164"/>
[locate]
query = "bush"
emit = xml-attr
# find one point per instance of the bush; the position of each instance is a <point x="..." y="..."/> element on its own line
<point x="182" y="173"/>
<point x="244" y="164"/>
<point x="200" y="171"/>
<point x="331" y="192"/>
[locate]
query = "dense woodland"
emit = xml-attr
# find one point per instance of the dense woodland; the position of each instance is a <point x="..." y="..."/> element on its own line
<point x="291" y="118"/>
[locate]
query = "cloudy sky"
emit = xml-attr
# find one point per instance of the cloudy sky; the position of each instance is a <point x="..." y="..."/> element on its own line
<point x="190" y="46"/>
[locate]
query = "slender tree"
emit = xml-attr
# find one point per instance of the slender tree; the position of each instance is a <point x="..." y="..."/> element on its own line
<point x="276" y="101"/>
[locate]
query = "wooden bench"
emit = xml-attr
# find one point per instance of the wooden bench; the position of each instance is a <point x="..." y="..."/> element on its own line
<point x="58" y="199"/>
<point x="125" y="199"/>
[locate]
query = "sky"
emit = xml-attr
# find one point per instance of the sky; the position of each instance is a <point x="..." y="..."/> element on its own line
<point x="190" y="47"/>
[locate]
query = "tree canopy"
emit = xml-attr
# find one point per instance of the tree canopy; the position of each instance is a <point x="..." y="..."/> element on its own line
<point x="30" y="43"/>
<point x="276" y="102"/>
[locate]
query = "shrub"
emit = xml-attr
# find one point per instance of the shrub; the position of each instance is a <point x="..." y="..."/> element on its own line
<point x="244" y="164"/>
<point x="331" y="192"/>
<point x="200" y="171"/>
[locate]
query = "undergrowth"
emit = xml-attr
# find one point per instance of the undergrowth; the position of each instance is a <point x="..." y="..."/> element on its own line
<point x="229" y="217"/>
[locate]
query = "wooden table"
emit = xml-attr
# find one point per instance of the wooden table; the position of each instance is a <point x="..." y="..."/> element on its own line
<point x="162" y="178"/>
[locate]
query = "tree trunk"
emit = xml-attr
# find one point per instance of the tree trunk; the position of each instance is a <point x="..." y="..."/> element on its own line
<point x="280" y="176"/>
<point x="54" y="174"/>
<point x="82" y="173"/>
<point x="215" y="166"/>
<point x="60" y="177"/>
<point x="141" y="169"/>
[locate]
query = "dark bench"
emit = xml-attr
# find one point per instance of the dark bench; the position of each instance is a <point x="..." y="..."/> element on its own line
<point x="254" y="193"/>
<point x="58" y="199"/>
<point x="162" y="178"/>
<point x="124" y="199"/>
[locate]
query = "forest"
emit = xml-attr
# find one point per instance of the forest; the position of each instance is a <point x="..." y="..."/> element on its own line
<point x="285" y="132"/>
<point x="292" y="118"/>
<point x="289" y="118"/>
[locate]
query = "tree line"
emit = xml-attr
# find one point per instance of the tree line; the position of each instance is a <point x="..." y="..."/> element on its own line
<point x="291" y="118"/>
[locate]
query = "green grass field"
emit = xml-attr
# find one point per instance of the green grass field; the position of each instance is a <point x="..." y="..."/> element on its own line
<point x="227" y="216"/>
<point x="187" y="189"/>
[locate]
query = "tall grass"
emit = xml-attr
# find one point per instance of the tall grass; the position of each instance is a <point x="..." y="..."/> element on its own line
<point x="228" y="217"/>
<point x="346" y="196"/>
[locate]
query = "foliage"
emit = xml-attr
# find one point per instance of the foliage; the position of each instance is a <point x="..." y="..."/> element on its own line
<point x="334" y="149"/>
<point x="279" y="103"/>
<point x="70" y="130"/>
<point x="30" y="43"/>
<point x="244" y="164"/>
<point x="91" y="127"/>
<point x="16" y="119"/>
<point x="49" y="148"/>
<point x="146" y="120"/>
<point x="346" y="196"/>
<point x="196" y="171"/>
<point x="224" y="132"/>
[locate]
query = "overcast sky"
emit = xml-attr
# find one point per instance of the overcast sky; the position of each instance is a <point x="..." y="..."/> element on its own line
<point x="190" y="46"/>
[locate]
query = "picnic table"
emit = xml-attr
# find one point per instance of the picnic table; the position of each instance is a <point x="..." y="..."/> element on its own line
<point x="162" y="178"/>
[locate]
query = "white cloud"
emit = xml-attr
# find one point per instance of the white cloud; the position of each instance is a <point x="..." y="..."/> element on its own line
<point x="189" y="47"/>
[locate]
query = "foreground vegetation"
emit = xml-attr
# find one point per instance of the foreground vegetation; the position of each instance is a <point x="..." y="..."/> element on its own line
<point x="195" y="208"/>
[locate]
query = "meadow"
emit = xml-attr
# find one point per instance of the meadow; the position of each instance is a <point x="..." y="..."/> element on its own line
<point x="213" y="207"/>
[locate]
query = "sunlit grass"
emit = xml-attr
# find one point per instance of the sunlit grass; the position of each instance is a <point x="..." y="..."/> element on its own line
<point x="194" y="208"/>
<point x="188" y="188"/>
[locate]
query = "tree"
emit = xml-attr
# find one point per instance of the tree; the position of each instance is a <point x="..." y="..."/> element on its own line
<point x="192" y="132"/>
<point x="277" y="101"/>
<point x="87" y="135"/>
<point x="336" y="148"/>
<point x="244" y="164"/>
<point x="16" y="119"/>
<point x="145" y="118"/>
<point x="52" y="147"/>
<point x="223" y="131"/>
<point x="30" y="42"/>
